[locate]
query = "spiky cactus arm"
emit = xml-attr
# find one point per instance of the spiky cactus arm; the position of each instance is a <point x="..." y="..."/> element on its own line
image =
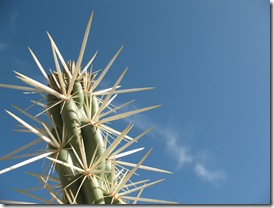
<point x="71" y="116"/>
<point x="86" y="162"/>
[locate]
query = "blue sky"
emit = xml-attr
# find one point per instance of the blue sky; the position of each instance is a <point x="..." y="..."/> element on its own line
<point x="209" y="61"/>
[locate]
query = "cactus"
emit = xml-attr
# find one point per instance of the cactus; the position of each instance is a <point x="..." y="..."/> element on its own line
<point x="82" y="149"/>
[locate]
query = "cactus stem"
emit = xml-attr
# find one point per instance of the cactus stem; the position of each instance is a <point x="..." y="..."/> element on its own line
<point x="77" y="141"/>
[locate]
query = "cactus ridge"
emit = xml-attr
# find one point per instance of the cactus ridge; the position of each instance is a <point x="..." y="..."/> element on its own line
<point x="82" y="148"/>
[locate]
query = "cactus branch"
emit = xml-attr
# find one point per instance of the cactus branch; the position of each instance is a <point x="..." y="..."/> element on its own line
<point x="83" y="150"/>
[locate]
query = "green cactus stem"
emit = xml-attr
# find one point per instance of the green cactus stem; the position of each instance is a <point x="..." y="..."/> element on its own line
<point x="86" y="161"/>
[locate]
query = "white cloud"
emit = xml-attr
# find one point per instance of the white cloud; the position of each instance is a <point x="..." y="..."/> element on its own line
<point x="213" y="176"/>
<point x="175" y="149"/>
<point x="175" y="140"/>
<point x="178" y="151"/>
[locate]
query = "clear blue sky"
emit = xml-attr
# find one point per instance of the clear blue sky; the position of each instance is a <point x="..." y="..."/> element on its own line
<point x="209" y="61"/>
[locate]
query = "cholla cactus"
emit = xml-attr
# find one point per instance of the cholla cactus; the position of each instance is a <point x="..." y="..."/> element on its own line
<point x="82" y="149"/>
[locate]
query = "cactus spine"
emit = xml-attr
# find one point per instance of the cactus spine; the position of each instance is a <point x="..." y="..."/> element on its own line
<point x="84" y="151"/>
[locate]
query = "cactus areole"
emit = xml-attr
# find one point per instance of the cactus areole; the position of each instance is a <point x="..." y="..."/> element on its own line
<point x="81" y="147"/>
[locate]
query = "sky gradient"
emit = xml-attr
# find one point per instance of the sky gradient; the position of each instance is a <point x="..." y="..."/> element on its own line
<point x="209" y="62"/>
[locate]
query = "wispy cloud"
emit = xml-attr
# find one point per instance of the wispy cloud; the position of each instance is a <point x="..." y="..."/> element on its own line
<point x="172" y="139"/>
<point x="178" y="150"/>
<point x="215" y="177"/>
